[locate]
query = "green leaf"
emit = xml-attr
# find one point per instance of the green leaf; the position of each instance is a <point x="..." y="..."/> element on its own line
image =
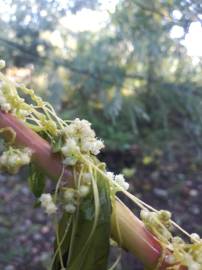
<point x="37" y="204"/>
<point x="96" y="251"/>
<point x="36" y="181"/>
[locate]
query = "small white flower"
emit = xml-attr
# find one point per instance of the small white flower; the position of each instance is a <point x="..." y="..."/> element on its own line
<point x="177" y="241"/>
<point x="68" y="131"/>
<point x="110" y="175"/>
<point x="6" y="107"/>
<point x="119" y="178"/>
<point x="23" y="112"/>
<point x="164" y="215"/>
<point x="51" y="209"/>
<point x="145" y="215"/>
<point x="188" y="259"/>
<point x="70" y="147"/>
<point x="45" y="199"/>
<point x="83" y="127"/>
<point x="69" y="194"/>
<point x="170" y="259"/>
<point x="87" y="178"/>
<point x="195" y="237"/>
<point x="96" y="146"/>
<point x="2" y="63"/>
<point x="125" y="185"/>
<point x="121" y="181"/>
<point x="84" y="190"/>
<point x="194" y="266"/>
<point x="25" y="159"/>
<point x="47" y="202"/>
<point x="3" y="159"/>
<point x="86" y="145"/>
<point x="70" y="208"/>
<point x="149" y="218"/>
<point x="13" y="160"/>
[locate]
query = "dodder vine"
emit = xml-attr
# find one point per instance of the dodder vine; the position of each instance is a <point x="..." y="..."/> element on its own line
<point x="84" y="203"/>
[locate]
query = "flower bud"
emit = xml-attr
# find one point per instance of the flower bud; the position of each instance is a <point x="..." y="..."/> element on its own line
<point x="70" y="208"/>
<point x="2" y="64"/>
<point x="83" y="190"/>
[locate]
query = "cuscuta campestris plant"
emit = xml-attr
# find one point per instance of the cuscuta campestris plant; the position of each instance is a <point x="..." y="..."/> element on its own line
<point x="82" y="213"/>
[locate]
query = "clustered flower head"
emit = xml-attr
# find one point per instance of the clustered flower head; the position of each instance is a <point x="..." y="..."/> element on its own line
<point x="71" y="195"/>
<point x="11" y="102"/>
<point x="84" y="188"/>
<point x="13" y="159"/>
<point x="79" y="138"/>
<point x="48" y="204"/>
<point x="70" y="200"/>
<point x="187" y="254"/>
<point x="118" y="179"/>
<point x="158" y="223"/>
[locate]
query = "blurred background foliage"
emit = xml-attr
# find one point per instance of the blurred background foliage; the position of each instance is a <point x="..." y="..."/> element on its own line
<point x="130" y="78"/>
<point x="131" y="75"/>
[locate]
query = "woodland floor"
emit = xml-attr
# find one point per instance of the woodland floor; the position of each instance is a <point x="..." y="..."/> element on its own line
<point x="166" y="182"/>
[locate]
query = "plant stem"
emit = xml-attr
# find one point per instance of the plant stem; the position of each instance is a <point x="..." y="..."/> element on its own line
<point x="131" y="234"/>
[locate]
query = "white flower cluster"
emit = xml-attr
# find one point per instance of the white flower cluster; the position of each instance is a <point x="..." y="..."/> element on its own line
<point x="9" y="99"/>
<point x="70" y="194"/>
<point x="153" y="218"/>
<point x="79" y="138"/>
<point x="84" y="188"/>
<point x="158" y="222"/>
<point x="70" y="200"/>
<point x="190" y="255"/>
<point x="13" y="159"/>
<point x="191" y="262"/>
<point x="119" y="179"/>
<point x="48" y="204"/>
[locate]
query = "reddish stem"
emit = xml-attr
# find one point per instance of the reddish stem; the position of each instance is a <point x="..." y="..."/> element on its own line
<point x="134" y="236"/>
